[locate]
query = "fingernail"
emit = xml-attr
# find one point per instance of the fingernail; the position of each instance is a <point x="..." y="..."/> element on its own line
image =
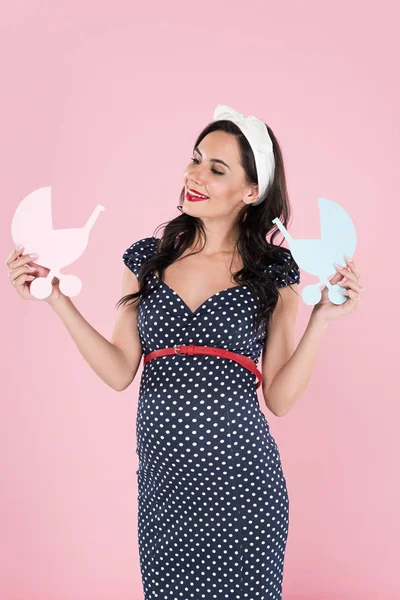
<point x="33" y="255"/>
<point x="349" y="259"/>
<point x="19" y="247"/>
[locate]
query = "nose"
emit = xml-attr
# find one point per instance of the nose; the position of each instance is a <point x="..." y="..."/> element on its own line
<point x="196" y="175"/>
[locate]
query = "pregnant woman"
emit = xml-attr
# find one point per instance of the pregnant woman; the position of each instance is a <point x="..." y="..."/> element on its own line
<point x="201" y="304"/>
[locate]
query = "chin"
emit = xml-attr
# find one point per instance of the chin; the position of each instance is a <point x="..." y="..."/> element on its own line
<point x="191" y="208"/>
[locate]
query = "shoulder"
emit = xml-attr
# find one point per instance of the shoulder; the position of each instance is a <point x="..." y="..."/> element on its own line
<point x="284" y="269"/>
<point x="140" y="250"/>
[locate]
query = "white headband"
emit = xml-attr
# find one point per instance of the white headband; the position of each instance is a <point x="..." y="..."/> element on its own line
<point x="257" y="135"/>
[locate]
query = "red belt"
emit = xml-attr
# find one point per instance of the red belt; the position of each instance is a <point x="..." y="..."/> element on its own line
<point x="191" y="349"/>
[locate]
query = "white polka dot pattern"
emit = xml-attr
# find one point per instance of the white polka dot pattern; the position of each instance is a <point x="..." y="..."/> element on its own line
<point x="213" y="507"/>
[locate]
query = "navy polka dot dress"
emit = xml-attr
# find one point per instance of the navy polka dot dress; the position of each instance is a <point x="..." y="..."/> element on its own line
<point x="213" y="507"/>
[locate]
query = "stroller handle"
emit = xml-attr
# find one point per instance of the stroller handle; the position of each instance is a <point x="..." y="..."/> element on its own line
<point x="93" y="217"/>
<point x="283" y="230"/>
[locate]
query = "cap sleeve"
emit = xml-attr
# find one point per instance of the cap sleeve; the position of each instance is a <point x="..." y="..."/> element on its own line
<point x="138" y="252"/>
<point x="283" y="277"/>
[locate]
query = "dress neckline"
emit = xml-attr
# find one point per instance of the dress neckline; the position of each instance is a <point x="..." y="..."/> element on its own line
<point x="194" y="312"/>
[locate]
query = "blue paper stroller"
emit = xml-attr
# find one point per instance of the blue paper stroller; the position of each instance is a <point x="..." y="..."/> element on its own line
<point x="318" y="257"/>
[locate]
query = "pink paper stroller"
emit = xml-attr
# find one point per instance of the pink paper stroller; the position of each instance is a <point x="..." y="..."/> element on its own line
<point x="32" y="226"/>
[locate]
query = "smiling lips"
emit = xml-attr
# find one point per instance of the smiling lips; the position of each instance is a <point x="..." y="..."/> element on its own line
<point x="193" y="198"/>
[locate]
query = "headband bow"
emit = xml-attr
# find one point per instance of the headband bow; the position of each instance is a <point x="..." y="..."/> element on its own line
<point x="257" y="135"/>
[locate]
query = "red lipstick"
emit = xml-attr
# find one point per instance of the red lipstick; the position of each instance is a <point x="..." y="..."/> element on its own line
<point x="192" y="198"/>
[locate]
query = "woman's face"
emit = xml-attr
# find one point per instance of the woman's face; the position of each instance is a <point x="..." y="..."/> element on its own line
<point x="215" y="171"/>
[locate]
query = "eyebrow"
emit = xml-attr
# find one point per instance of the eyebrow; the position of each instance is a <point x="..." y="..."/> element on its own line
<point x="218" y="160"/>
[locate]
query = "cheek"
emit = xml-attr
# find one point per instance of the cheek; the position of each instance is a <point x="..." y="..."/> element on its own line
<point x="224" y="188"/>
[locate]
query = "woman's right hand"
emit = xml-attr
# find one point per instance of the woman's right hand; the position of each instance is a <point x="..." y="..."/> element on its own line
<point x="22" y="270"/>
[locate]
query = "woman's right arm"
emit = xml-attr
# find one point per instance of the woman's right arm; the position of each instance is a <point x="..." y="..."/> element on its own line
<point x="117" y="361"/>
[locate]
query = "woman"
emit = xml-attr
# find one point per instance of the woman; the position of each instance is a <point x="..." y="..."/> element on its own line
<point x="213" y="502"/>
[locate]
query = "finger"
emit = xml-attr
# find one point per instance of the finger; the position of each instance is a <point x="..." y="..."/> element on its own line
<point x="14" y="254"/>
<point x="337" y="277"/>
<point x="345" y="272"/>
<point x="355" y="285"/>
<point x="351" y="264"/>
<point x="352" y="294"/>
<point x="23" y="260"/>
<point x="36" y="265"/>
<point x="15" y="273"/>
<point x="20" y="280"/>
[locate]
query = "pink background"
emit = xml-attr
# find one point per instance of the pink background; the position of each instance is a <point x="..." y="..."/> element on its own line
<point x="103" y="102"/>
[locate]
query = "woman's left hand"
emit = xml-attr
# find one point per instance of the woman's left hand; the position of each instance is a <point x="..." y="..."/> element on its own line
<point x="349" y="278"/>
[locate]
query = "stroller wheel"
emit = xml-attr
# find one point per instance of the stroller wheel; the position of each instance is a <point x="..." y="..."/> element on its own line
<point x="311" y="294"/>
<point x="41" y="288"/>
<point x="70" y="285"/>
<point x="336" y="296"/>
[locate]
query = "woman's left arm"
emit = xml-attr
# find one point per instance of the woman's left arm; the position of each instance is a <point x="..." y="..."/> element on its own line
<point x="286" y="372"/>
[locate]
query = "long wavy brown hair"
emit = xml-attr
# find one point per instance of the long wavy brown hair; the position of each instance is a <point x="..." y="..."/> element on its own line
<point x="254" y="224"/>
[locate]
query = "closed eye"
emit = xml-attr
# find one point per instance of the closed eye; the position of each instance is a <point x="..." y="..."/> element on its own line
<point x="196" y="161"/>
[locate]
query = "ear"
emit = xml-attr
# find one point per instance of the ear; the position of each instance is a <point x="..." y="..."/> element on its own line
<point x="252" y="194"/>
